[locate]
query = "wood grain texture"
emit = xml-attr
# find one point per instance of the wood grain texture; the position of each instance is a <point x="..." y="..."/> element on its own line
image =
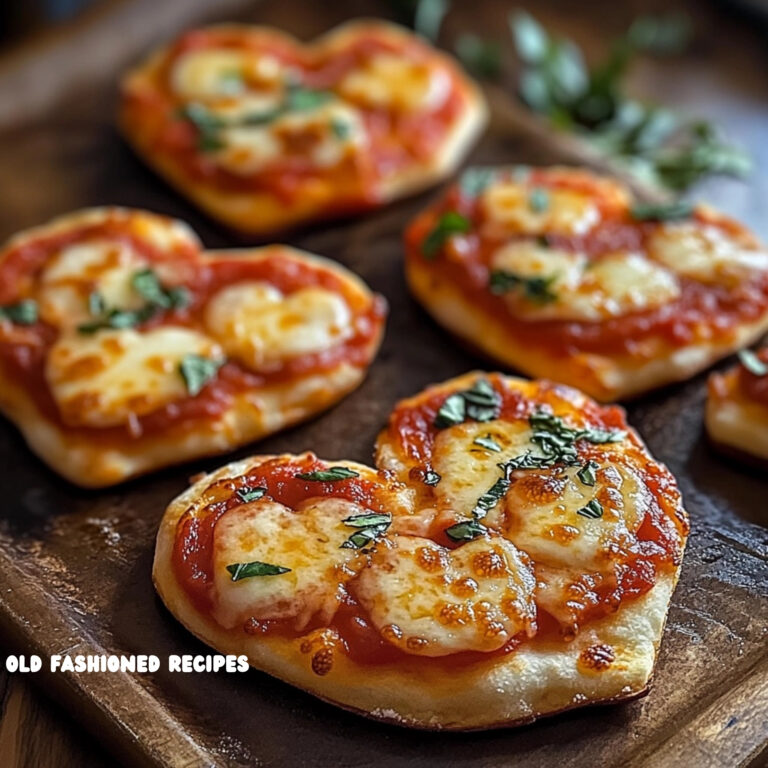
<point x="75" y="565"/>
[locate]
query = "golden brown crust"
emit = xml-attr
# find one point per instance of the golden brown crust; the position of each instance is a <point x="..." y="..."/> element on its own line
<point x="611" y="659"/>
<point x="259" y="211"/>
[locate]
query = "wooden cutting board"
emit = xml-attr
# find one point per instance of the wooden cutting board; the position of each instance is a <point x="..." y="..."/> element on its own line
<point x="75" y="565"/>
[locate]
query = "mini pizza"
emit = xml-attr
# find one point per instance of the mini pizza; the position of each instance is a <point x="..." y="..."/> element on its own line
<point x="737" y="408"/>
<point x="264" y="132"/>
<point x="513" y="555"/>
<point x="124" y="347"/>
<point x="559" y="273"/>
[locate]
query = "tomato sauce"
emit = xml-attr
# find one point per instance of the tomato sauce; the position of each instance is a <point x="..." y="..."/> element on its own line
<point x="395" y="140"/>
<point x="702" y="312"/>
<point x="657" y="546"/>
<point x="23" y="356"/>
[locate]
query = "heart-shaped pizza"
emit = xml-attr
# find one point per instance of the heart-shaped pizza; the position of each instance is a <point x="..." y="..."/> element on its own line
<point x="124" y="347"/>
<point x="737" y="408"/>
<point x="263" y="132"/>
<point x="559" y="273"/>
<point x="513" y="555"/>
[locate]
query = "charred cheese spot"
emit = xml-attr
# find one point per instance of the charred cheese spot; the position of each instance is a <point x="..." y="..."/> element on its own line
<point x="306" y="540"/>
<point x="508" y="207"/>
<point x="540" y="514"/>
<point x="706" y="253"/>
<point x="102" y="266"/>
<point x="323" y="137"/>
<point x="492" y="600"/>
<point x="388" y="81"/>
<point x="596" y="658"/>
<point x="223" y="72"/>
<point x="109" y="378"/>
<point x="614" y="285"/>
<point x="260" y="326"/>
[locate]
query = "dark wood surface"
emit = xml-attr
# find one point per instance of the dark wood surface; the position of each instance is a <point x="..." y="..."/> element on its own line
<point x="74" y="565"/>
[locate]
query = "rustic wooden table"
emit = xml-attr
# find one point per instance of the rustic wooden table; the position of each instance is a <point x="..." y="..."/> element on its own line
<point x="721" y="78"/>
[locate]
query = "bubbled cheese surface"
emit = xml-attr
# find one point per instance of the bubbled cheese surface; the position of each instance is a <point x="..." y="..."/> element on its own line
<point x="258" y="325"/>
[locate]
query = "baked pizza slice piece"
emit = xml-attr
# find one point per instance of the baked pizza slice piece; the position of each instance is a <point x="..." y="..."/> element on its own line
<point x="737" y="408"/>
<point x="124" y="347"/>
<point x="560" y="273"/>
<point x="512" y="555"/>
<point x="264" y="132"/>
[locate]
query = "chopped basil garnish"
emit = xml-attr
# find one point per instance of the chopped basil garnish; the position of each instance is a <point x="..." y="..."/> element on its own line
<point x="490" y="498"/>
<point x="488" y="443"/>
<point x="147" y="285"/>
<point x="593" y="510"/>
<point x="22" y="313"/>
<point x="535" y="289"/>
<point x="340" y="128"/>
<point x="247" y="494"/>
<point x="197" y="371"/>
<point x="538" y="200"/>
<point x="680" y="209"/>
<point x="241" y="571"/>
<point x="587" y="473"/>
<point x="481" y="57"/>
<point x="480" y="403"/>
<point x="431" y="477"/>
<point x="466" y="530"/>
<point x="371" y="526"/>
<point x="328" y="475"/>
<point x="450" y="223"/>
<point x="753" y="363"/>
<point x="300" y="99"/>
<point x="474" y="181"/>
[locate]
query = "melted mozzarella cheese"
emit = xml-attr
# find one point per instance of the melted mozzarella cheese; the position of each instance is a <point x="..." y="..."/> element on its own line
<point x="540" y="514"/>
<point x="510" y="206"/>
<point x="102" y="266"/>
<point x="260" y="326"/>
<point x="324" y="136"/>
<point x="111" y="377"/>
<point x="216" y="72"/>
<point x="612" y="286"/>
<point x="388" y="81"/>
<point x="706" y="253"/>
<point x="308" y="541"/>
<point x="431" y="601"/>
<point x="467" y="470"/>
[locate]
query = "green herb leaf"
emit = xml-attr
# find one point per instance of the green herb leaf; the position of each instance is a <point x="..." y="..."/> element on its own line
<point x="197" y="371"/>
<point x="450" y="223"/>
<point x="680" y="209"/>
<point x="538" y="199"/>
<point x="753" y="363"/>
<point x="480" y="402"/>
<point x="491" y="497"/>
<point x="593" y="510"/>
<point x="474" y="181"/>
<point x="22" y="313"/>
<point x="453" y="411"/>
<point x="537" y="289"/>
<point x="428" y="17"/>
<point x="368" y="520"/>
<point x="341" y="129"/>
<point x="465" y="531"/>
<point x="587" y="473"/>
<point x="431" y="477"/>
<point x="96" y="304"/>
<point x="241" y="571"/>
<point x="329" y="475"/>
<point x="531" y="40"/>
<point x="481" y="57"/>
<point x="248" y="494"/>
<point x="488" y="443"/>
<point x="301" y="99"/>
<point x="147" y="285"/>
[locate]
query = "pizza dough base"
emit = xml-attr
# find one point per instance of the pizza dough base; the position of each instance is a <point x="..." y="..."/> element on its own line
<point x="605" y="378"/>
<point x="259" y="213"/>
<point x="537" y="679"/>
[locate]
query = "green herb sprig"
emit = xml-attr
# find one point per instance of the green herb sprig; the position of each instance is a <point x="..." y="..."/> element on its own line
<point x="449" y="224"/>
<point x="21" y="313"/>
<point x="480" y="402"/>
<point x="330" y="475"/>
<point x="536" y="289"/>
<point x="240" y="571"/>
<point x="370" y="527"/>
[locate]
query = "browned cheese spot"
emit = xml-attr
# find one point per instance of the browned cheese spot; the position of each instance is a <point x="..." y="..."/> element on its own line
<point x="597" y="658"/>
<point x="489" y="564"/>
